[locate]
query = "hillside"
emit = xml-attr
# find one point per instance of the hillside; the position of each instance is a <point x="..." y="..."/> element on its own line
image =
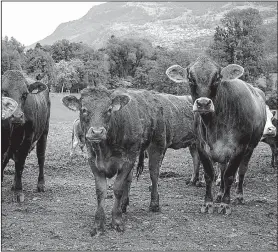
<point x="167" y="24"/>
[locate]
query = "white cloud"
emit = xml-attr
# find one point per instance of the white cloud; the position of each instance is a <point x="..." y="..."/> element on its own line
<point x="29" y="22"/>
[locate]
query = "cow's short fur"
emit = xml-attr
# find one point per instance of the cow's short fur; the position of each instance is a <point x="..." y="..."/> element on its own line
<point x="27" y="127"/>
<point x="120" y="124"/>
<point x="229" y="120"/>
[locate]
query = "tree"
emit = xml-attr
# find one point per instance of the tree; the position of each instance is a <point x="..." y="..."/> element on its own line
<point x="13" y="57"/>
<point x="40" y="66"/>
<point x="239" y="40"/>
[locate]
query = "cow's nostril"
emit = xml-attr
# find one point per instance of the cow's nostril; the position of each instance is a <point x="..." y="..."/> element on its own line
<point x="209" y="102"/>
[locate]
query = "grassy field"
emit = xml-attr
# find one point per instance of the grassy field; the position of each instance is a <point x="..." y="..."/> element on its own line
<point x="61" y="217"/>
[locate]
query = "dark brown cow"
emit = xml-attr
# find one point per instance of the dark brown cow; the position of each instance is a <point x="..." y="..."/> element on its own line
<point x="27" y="127"/>
<point x="120" y="124"/>
<point x="230" y="116"/>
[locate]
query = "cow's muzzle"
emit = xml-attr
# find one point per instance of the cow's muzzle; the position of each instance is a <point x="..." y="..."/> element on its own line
<point x="269" y="132"/>
<point x="203" y="105"/>
<point x="96" y="134"/>
<point x="18" y="118"/>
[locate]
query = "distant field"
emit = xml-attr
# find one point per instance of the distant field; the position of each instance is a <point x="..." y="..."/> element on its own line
<point x="58" y="111"/>
<point x="61" y="217"/>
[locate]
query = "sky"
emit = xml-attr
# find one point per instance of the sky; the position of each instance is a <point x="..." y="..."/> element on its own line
<point x="29" y="22"/>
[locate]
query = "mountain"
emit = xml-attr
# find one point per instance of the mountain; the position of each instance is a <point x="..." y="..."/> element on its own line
<point x="167" y="24"/>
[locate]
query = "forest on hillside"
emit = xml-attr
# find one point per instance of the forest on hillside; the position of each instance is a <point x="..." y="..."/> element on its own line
<point x="132" y="62"/>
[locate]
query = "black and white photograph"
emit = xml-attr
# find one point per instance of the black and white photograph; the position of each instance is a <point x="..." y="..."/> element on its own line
<point x="139" y="126"/>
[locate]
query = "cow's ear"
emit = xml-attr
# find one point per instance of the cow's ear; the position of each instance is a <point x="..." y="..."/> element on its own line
<point x="273" y="112"/>
<point x="232" y="71"/>
<point x="177" y="74"/>
<point x="36" y="87"/>
<point x="9" y="106"/>
<point x="119" y="102"/>
<point x="71" y="102"/>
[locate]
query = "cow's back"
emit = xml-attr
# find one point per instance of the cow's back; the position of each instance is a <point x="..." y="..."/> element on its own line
<point x="37" y="113"/>
<point x="136" y="121"/>
<point x="178" y="119"/>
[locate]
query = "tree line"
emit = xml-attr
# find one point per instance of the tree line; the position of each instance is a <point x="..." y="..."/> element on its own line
<point x="130" y="62"/>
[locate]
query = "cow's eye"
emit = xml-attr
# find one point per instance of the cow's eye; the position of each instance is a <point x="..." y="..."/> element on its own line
<point x="190" y="79"/>
<point x="4" y="93"/>
<point x="84" y="111"/>
<point x="109" y="109"/>
<point x="24" y="96"/>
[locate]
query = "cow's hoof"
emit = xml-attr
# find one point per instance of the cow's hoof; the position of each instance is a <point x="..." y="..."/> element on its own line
<point x="207" y="208"/>
<point x="118" y="226"/>
<point x="19" y="197"/>
<point x="154" y="208"/>
<point x="239" y="201"/>
<point x="40" y="188"/>
<point x="190" y="182"/>
<point x="218" y="198"/>
<point x="97" y="231"/>
<point x="200" y="184"/>
<point x="224" y="209"/>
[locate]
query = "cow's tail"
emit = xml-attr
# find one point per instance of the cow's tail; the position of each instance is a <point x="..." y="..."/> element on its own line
<point x="140" y="165"/>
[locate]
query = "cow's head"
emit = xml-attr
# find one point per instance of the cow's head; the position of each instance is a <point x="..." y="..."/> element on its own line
<point x="16" y="87"/>
<point x="96" y="106"/>
<point x="8" y="107"/>
<point x="269" y="128"/>
<point x="203" y="77"/>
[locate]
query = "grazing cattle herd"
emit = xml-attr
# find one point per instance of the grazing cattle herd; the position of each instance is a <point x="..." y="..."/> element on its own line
<point x="221" y="123"/>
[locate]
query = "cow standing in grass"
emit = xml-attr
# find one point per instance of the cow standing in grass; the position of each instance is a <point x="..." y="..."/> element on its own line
<point x="230" y="116"/>
<point x="77" y="138"/>
<point x="120" y="124"/>
<point x="27" y="128"/>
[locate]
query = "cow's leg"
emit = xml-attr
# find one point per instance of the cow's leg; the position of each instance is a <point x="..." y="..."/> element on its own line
<point x="125" y="197"/>
<point x="209" y="176"/>
<point x="5" y="161"/>
<point x="221" y="169"/>
<point x="20" y="158"/>
<point x="41" y="147"/>
<point x="101" y="191"/>
<point x="228" y="178"/>
<point x="274" y="155"/>
<point x="218" y="174"/>
<point x="196" y="165"/>
<point x="120" y="185"/>
<point x="156" y="155"/>
<point x="240" y="177"/>
<point x="74" y="144"/>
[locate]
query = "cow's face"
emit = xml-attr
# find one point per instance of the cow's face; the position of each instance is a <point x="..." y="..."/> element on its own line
<point x="269" y="129"/>
<point x="203" y="77"/>
<point x="96" y="107"/>
<point x="9" y="106"/>
<point x="15" y="86"/>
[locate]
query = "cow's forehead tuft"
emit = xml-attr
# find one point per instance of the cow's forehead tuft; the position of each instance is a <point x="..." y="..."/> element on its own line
<point x="95" y="91"/>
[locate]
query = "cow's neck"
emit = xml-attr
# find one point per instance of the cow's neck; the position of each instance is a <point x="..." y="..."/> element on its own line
<point x="204" y="126"/>
<point x="102" y="152"/>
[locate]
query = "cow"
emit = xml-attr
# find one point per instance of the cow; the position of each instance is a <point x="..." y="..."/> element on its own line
<point x="269" y="137"/>
<point x="8" y="107"/>
<point x="229" y="119"/>
<point x="77" y="138"/>
<point x="272" y="142"/>
<point x="28" y="127"/>
<point x="119" y="125"/>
